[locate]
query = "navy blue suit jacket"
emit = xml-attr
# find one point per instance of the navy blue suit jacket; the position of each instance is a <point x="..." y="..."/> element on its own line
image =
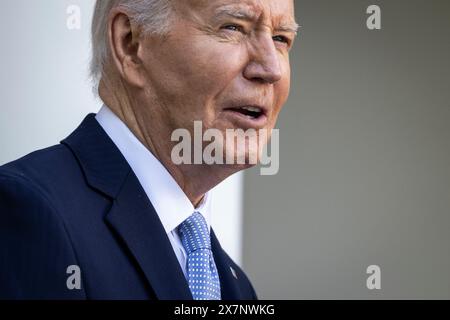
<point x="79" y="203"/>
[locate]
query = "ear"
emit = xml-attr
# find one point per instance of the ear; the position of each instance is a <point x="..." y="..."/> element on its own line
<point x="125" y="43"/>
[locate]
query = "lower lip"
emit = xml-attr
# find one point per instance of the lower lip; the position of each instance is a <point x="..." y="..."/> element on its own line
<point x="246" y="122"/>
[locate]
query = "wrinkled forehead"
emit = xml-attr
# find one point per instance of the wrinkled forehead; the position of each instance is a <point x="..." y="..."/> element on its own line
<point x="278" y="12"/>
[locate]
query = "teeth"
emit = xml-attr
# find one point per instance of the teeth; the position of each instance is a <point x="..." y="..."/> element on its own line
<point x="252" y="109"/>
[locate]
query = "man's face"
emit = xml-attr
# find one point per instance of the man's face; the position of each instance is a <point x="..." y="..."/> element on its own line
<point x="221" y="57"/>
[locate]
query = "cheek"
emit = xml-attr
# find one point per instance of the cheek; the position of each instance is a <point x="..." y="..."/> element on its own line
<point x="209" y="67"/>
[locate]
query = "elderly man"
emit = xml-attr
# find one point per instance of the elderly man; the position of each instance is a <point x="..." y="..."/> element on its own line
<point x="107" y="214"/>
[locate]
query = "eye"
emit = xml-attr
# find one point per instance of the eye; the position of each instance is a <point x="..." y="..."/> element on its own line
<point x="233" y="27"/>
<point x="282" y="39"/>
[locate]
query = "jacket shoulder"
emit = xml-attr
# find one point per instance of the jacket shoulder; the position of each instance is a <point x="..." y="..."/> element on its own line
<point x="33" y="238"/>
<point x="44" y="169"/>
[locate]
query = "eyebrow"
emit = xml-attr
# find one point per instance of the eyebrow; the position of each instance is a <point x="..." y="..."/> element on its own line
<point x="246" y="13"/>
<point x="240" y="12"/>
<point x="289" y="27"/>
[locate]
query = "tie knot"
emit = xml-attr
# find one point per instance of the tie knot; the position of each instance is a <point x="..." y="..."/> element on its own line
<point x="194" y="233"/>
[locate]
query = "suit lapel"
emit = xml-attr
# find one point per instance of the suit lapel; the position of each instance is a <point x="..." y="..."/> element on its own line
<point x="228" y="283"/>
<point x="134" y="219"/>
<point x="131" y="216"/>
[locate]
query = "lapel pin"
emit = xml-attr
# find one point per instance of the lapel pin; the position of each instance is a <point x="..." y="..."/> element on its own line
<point x="233" y="272"/>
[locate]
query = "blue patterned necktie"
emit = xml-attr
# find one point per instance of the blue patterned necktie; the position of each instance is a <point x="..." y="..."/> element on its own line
<point x="201" y="270"/>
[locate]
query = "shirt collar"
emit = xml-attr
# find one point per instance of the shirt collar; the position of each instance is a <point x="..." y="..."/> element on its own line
<point x="170" y="202"/>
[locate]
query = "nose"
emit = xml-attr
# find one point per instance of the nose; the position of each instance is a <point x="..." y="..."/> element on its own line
<point x="264" y="62"/>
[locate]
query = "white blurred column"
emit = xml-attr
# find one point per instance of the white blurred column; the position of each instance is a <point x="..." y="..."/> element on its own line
<point x="227" y="215"/>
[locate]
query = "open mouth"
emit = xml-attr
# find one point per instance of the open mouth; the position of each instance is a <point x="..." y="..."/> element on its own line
<point x="251" y="112"/>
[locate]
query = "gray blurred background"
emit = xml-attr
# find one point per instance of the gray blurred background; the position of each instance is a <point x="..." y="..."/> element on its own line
<point x="365" y="159"/>
<point x="365" y="144"/>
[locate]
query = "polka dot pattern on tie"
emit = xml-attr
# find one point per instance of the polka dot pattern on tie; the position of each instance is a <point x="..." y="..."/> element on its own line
<point x="202" y="273"/>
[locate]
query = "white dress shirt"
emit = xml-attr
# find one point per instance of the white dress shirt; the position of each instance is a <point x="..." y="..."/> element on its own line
<point x="170" y="202"/>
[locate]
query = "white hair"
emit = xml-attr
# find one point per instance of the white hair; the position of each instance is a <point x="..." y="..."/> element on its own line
<point x="152" y="15"/>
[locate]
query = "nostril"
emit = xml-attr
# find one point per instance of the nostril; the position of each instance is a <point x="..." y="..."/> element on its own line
<point x="260" y="80"/>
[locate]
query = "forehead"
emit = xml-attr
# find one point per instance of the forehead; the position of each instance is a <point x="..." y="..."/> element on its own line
<point x="275" y="11"/>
